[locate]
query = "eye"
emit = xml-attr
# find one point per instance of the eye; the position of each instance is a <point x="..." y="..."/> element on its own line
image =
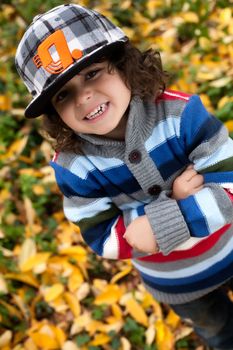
<point x="62" y="95"/>
<point x="91" y="74"/>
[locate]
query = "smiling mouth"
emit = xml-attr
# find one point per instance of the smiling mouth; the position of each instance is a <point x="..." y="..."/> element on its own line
<point x="97" y="111"/>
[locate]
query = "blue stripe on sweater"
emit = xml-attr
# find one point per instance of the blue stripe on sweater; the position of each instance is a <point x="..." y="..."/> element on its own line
<point x="71" y="185"/>
<point x="96" y="236"/>
<point x="96" y="184"/>
<point x="213" y="276"/>
<point x="223" y="177"/>
<point x="196" y="130"/>
<point x="166" y="163"/>
<point x="193" y="216"/>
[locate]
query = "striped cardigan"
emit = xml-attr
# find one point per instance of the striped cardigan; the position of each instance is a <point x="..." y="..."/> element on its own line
<point x="113" y="182"/>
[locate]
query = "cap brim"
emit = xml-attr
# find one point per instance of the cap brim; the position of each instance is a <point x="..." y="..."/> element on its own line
<point x="39" y="105"/>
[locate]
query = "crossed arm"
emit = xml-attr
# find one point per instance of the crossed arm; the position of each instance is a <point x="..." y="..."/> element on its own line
<point x="139" y="233"/>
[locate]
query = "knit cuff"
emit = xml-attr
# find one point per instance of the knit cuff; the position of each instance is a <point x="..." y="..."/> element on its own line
<point x="168" y="224"/>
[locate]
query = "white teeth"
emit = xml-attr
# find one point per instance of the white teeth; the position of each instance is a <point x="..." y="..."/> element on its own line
<point x="98" y="111"/>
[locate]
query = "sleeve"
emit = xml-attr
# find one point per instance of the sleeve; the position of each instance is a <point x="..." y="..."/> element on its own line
<point x="206" y="143"/>
<point x="102" y="223"/>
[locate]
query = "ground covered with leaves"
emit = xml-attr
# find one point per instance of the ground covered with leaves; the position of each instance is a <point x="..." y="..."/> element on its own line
<point x="54" y="292"/>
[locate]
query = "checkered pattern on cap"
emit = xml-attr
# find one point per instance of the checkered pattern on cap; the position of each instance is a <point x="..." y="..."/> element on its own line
<point x="83" y="29"/>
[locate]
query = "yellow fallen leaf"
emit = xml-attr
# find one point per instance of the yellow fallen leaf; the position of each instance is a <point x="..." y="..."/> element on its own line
<point x="225" y="16"/>
<point x="74" y="250"/>
<point x="5" y="103"/>
<point x="126" y="4"/>
<point x="136" y="311"/>
<point x="125" y="344"/>
<point x="15" y="149"/>
<point x="59" y="335"/>
<point x="183" y="332"/>
<point x="53" y="292"/>
<point x="218" y="83"/>
<point x="38" y="258"/>
<point x="152" y="6"/>
<point x="121" y="274"/>
<point x="38" y="190"/>
<point x="205" y="76"/>
<point x="5" y="338"/>
<point x="94" y="326"/>
<point x="3" y="285"/>
<point x="81" y="322"/>
<point x="190" y="17"/>
<point x="229" y="125"/>
<point x="148" y="301"/>
<point x="116" y="310"/>
<point x="100" y="339"/>
<point x="110" y="295"/>
<point x="164" y="338"/>
<point x="73" y="303"/>
<point x="150" y="334"/>
<point x="114" y="324"/>
<point x="224" y="100"/>
<point x="26" y="278"/>
<point x="29" y="345"/>
<point x="205" y="43"/>
<point x="28" y="249"/>
<point x="30" y="211"/>
<point x="45" y="341"/>
<point x="172" y="319"/>
<point x="75" y="280"/>
<point x="83" y="291"/>
<point x="99" y="284"/>
<point x="69" y="345"/>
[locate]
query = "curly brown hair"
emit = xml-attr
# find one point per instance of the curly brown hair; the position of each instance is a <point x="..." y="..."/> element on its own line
<point x="142" y="73"/>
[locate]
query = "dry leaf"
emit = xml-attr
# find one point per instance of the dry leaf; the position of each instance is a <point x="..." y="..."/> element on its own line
<point x="100" y="339"/>
<point x="164" y="338"/>
<point x="34" y="260"/>
<point x="51" y="293"/>
<point x="121" y="274"/>
<point x="5" y="338"/>
<point x="136" y="311"/>
<point x="28" y="249"/>
<point x="110" y="295"/>
<point x="73" y="303"/>
<point x="26" y="278"/>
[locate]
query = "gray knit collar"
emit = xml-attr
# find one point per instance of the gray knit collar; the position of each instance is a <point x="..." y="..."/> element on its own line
<point x="138" y="117"/>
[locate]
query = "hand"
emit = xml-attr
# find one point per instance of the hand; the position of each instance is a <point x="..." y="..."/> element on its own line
<point x="140" y="236"/>
<point x="187" y="184"/>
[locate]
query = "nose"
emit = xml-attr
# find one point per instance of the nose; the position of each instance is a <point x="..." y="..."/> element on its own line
<point x="83" y="95"/>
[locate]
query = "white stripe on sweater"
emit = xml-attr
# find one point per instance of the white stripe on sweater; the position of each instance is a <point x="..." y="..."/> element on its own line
<point x="210" y="210"/>
<point x="76" y="213"/>
<point x="223" y="152"/>
<point x="83" y="165"/>
<point x="111" y="245"/>
<point x="165" y="130"/>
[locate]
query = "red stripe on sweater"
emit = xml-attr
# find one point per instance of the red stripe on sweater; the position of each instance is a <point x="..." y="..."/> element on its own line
<point x="125" y="250"/>
<point x="198" y="249"/>
<point x="56" y="154"/>
<point x="173" y="95"/>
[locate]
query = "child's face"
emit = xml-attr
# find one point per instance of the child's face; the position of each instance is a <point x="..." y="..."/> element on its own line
<point x="94" y="102"/>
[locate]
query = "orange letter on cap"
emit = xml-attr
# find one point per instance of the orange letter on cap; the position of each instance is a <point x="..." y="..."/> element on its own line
<point x="45" y="59"/>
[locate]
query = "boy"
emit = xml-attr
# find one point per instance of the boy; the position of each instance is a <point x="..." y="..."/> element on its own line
<point x="123" y="142"/>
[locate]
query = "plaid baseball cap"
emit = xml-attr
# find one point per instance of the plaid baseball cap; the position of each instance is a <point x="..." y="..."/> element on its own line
<point x="58" y="45"/>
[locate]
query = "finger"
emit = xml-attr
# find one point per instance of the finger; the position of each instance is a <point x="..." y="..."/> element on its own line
<point x="188" y="174"/>
<point x="190" y="166"/>
<point x="196" y="181"/>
